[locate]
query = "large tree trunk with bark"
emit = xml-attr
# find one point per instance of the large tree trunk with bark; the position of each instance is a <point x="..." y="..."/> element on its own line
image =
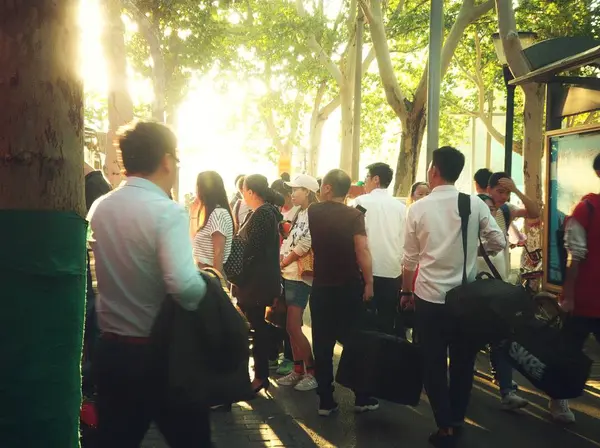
<point x="42" y="254"/>
<point x="411" y="139"/>
<point x="120" y="106"/>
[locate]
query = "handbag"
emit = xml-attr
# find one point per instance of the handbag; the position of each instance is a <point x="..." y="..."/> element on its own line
<point x="546" y="357"/>
<point x="306" y="266"/>
<point x="386" y="366"/>
<point x="234" y="266"/>
<point x="276" y="314"/>
<point x="487" y="309"/>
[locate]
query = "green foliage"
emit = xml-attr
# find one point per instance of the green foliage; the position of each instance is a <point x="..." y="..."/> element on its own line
<point x="95" y="110"/>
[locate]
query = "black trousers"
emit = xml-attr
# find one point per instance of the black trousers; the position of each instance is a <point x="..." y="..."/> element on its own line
<point x="449" y="398"/>
<point x="386" y="301"/>
<point x="131" y="396"/>
<point x="262" y="342"/>
<point x="336" y="314"/>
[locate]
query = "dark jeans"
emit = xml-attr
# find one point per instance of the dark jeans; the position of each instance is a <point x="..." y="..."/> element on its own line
<point x="579" y="328"/>
<point x="279" y="337"/>
<point x="261" y="343"/>
<point x="448" y="399"/>
<point x="336" y="314"/>
<point x="386" y="301"/>
<point x="131" y="395"/>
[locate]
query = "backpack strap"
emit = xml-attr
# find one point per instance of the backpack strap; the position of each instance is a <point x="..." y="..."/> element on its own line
<point x="464" y="210"/>
<point x="489" y="263"/>
<point x="506" y="214"/>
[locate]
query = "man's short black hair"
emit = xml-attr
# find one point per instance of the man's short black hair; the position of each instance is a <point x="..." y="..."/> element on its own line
<point x="143" y="144"/>
<point x="597" y="163"/>
<point x="495" y="178"/>
<point x="482" y="178"/>
<point x="384" y="172"/>
<point x="285" y="177"/>
<point x="340" y="182"/>
<point x="449" y="161"/>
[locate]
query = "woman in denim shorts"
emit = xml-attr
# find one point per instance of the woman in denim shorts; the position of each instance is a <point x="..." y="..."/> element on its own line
<point x="295" y="250"/>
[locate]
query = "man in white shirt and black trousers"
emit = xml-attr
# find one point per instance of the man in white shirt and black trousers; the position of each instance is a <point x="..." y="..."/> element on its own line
<point x="140" y="238"/>
<point x="433" y="241"/>
<point x="384" y="220"/>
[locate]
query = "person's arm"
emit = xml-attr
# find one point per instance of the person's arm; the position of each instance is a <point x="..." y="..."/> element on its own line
<point x="174" y="249"/>
<point x="218" y="241"/>
<point x="492" y="237"/>
<point x="531" y="208"/>
<point x="410" y="259"/>
<point x="303" y="246"/>
<point x="576" y="245"/>
<point x="365" y="263"/>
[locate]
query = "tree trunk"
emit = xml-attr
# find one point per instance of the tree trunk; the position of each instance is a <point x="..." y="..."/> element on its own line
<point x="533" y="149"/>
<point x="316" y="134"/>
<point x="120" y="106"/>
<point x="151" y="34"/>
<point x="411" y="138"/>
<point x="346" y="95"/>
<point x="42" y="254"/>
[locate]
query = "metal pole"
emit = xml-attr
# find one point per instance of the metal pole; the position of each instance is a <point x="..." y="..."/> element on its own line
<point x="434" y="80"/>
<point x="510" y="119"/>
<point x="360" y="24"/>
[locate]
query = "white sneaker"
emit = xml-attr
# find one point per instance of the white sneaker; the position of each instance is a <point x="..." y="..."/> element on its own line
<point x="307" y="383"/>
<point x="511" y="401"/>
<point x="561" y="413"/>
<point x="291" y="379"/>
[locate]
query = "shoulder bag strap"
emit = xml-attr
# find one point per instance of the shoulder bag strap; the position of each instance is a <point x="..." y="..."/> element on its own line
<point x="464" y="210"/>
<point x="489" y="263"/>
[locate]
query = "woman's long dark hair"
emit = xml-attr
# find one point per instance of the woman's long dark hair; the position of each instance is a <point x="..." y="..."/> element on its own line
<point x="211" y="193"/>
<point x="260" y="186"/>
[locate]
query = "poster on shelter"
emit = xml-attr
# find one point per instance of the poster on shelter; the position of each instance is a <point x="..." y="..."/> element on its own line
<point x="571" y="177"/>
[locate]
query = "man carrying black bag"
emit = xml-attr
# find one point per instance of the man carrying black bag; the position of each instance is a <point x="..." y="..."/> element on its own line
<point x="433" y="241"/>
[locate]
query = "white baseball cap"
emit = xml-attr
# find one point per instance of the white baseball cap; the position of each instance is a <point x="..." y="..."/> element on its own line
<point x="304" y="181"/>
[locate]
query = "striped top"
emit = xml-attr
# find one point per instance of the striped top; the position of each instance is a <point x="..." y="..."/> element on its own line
<point x="218" y="221"/>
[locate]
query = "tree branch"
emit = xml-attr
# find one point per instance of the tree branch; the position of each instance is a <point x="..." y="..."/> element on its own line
<point x="331" y="67"/>
<point x="151" y="33"/>
<point x="393" y="93"/>
<point x="467" y="14"/>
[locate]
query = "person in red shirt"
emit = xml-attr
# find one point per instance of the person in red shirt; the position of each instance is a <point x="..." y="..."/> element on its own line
<point x="580" y="290"/>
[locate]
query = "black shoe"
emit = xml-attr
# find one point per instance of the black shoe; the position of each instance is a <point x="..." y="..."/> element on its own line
<point x="458" y="431"/>
<point x="328" y="407"/>
<point x="263" y="386"/>
<point x="365" y="404"/>
<point x="439" y="440"/>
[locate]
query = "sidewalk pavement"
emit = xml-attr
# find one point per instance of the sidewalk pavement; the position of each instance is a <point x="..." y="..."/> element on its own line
<point x="283" y="417"/>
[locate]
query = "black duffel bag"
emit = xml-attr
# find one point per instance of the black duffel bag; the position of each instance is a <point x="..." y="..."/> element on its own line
<point x="487" y="309"/>
<point x="385" y="366"/>
<point x="544" y="355"/>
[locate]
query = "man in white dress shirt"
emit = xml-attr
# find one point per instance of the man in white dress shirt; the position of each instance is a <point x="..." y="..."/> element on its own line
<point x="143" y="254"/>
<point x="433" y="241"/>
<point x="384" y="219"/>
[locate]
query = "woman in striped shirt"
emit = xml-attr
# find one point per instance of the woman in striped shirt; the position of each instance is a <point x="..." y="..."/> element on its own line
<point x="212" y="241"/>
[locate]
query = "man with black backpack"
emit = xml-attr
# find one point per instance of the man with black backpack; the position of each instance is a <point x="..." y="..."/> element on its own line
<point x="580" y="288"/>
<point x="434" y="242"/>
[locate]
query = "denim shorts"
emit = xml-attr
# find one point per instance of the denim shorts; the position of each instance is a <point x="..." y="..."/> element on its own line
<point x="296" y="293"/>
